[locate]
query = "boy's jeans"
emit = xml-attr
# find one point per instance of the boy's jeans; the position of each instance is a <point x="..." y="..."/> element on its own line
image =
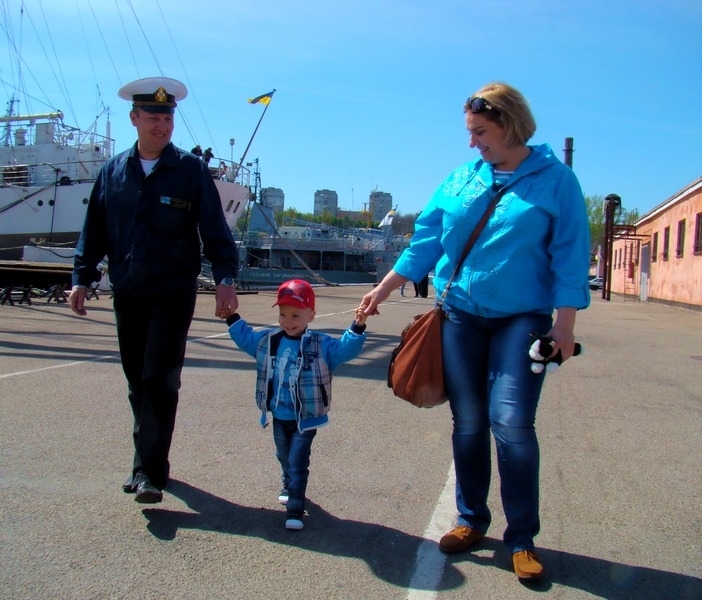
<point x="293" y="450"/>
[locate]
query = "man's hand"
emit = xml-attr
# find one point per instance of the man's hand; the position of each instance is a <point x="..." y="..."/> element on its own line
<point x="226" y="301"/>
<point x="76" y="299"/>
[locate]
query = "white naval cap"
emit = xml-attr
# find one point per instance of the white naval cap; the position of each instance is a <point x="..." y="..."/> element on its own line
<point x="154" y="94"/>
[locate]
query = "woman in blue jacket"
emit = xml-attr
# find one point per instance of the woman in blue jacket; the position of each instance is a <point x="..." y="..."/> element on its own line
<point x="531" y="259"/>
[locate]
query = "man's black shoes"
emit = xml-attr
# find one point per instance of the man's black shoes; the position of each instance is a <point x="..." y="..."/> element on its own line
<point x="144" y="491"/>
<point x="128" y="486"/>
<point x="147" y="493"/>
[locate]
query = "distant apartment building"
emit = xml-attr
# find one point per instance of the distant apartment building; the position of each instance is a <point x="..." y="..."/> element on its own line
<point x="273" y="197"/>
<point x="326" y="201"/>
<point x="261" y="219"/>
<point x="379" y="204"/>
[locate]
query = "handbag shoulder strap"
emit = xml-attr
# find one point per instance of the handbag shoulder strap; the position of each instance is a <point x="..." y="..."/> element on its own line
<point x="471" y="240"/>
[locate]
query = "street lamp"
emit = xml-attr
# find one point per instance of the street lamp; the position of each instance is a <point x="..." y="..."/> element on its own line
<point x="612" y="203"/>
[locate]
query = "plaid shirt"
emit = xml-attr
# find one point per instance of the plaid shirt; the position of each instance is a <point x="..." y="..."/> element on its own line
<point x="318" y="356"/>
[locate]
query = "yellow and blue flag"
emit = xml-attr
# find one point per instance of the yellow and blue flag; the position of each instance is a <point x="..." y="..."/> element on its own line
<point x="388" y="219"/>
<point x="262" y="99"/>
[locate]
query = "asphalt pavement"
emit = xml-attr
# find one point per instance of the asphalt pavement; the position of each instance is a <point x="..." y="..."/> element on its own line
<point x="620" y="429"/>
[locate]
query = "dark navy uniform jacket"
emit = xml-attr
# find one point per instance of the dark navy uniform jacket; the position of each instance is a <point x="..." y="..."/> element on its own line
<point x="151" y="228"/>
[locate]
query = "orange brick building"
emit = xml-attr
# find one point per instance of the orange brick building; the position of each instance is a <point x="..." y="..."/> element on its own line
<point x="660" y="259"/>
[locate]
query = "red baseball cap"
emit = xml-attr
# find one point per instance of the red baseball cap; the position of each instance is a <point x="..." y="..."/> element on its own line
<point x="296" y="292"/>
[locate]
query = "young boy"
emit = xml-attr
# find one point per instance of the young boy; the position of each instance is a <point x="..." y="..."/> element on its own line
<point x="294" y="371"/>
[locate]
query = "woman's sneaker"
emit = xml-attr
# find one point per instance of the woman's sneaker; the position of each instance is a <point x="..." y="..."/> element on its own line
<point x="283" y="497"/>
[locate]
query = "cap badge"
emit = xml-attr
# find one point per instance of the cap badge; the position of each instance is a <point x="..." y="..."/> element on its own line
<point x="160" y="95"/>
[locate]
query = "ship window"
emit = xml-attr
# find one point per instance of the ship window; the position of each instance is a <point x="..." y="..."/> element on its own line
<point x="15" y="175"/>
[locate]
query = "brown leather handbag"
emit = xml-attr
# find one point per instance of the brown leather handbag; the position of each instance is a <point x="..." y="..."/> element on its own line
<point x="416" y="371"/>
<point x="416" y="366"/>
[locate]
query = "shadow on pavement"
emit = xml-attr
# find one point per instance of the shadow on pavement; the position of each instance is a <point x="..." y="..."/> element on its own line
<point x="596" y="576"/>
<point x="389" y="553"/>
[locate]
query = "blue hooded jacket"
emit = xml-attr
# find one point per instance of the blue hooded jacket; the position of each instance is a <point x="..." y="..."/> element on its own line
<point x="532" y="256"/>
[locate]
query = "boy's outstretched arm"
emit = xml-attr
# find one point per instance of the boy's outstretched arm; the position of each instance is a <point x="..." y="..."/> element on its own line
<point x="243" y="334"/>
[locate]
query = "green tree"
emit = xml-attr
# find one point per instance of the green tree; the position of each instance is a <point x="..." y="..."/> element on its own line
<point x="628" y="217"/>
<point x="596" y="219"/>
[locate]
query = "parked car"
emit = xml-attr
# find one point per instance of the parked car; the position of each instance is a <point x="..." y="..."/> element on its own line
<point x="596" y="283"/>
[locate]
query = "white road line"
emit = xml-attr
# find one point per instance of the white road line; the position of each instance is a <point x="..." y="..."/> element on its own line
<point x="106" y="356"/>
<point x="71" y="364"/>
<point x="429" y="564"/>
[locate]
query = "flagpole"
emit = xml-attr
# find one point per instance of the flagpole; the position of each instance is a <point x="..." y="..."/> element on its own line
<point x="243" y="156"/>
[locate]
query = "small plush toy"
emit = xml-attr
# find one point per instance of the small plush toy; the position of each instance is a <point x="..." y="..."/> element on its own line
<point x="541" y="348"/>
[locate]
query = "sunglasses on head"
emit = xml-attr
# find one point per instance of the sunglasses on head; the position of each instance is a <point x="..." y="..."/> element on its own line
<point x="478" y="105"/>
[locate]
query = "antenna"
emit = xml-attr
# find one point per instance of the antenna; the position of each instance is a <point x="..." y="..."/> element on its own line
<point x="352" y="189"/>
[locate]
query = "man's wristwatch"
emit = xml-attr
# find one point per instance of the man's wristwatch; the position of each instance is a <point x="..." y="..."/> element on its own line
<point x="227" y="282"/>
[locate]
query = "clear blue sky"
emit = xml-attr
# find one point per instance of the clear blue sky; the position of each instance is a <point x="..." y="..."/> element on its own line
<point x="370" y="92"/>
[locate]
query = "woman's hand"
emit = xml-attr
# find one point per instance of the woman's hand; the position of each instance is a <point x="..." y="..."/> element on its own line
<point x="371" y="301"/>
<point x="562" y="332"/>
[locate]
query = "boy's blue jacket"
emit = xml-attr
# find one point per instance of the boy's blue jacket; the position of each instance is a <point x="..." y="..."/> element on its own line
<point x="541" y="222"/>
<point x="318" y="356"/>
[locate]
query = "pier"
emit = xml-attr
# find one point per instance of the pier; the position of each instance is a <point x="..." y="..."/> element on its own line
<point x="620" y="429"/>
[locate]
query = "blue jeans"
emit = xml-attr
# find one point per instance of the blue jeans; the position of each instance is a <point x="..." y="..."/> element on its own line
<point x="491" y="387"/>
<point x="293" y="450"/>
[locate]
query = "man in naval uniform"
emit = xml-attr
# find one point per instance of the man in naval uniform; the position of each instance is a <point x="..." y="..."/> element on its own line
<point x="151" y="207"/>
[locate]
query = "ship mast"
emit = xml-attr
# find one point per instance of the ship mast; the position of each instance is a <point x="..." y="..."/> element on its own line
<point x="264" y="99"/>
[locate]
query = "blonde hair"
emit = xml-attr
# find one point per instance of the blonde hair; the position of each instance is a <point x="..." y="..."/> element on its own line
<point x="511" y="112"/>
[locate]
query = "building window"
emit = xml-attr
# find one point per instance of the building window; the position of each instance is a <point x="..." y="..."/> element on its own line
<point x="680" y="247"/>
<point x="666" y="243"/>
<point x="654" y="249"/>
<point x="698" y="234"/>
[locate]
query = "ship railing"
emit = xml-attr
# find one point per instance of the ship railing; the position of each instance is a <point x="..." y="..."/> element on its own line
<point x="38" y="130"/>
<point x="84" y="140"/>
<point x="60" y="173"/>
<point x="349" y="245"/>
<point x="227" y="170"/>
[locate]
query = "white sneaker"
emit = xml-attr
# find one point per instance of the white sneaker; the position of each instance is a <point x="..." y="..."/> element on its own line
<point x="283" y="497"/>
<point x="294" y="524"/>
